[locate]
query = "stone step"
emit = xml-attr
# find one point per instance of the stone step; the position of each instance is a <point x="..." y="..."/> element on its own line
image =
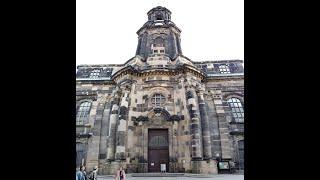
<point x="157" y="174"/>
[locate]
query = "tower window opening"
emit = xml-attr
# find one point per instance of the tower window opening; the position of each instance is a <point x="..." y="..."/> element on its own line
<point x="159" y="17"/>
<point x="158" y="42"/>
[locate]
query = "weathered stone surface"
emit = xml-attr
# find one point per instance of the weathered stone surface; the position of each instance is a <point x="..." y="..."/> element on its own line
<point x="160" y="88"/>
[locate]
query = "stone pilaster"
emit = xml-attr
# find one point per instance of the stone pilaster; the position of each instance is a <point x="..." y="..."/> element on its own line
<point x="223" y="125"/>
<point x="207" y="154"/>
<point x="122" y="126"/>
<point x="175" y="148"/>
<point x="214" y="128"/>
<point x="94" y="141"/>
<point x="131" y="138"/>
<point x="104" y="134"/>
<point x="196" y="152"/>
<point x="112" y="128"/>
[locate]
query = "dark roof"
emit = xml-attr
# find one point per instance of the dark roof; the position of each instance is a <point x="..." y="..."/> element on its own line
<point x="159" y="8"/>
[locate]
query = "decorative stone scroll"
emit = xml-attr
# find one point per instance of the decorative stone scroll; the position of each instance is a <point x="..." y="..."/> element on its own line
<point x="142" y="118"/>
<point x="162" y="111"/>
<point x="176" y="118"/>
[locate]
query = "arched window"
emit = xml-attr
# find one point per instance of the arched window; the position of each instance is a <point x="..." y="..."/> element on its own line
<point x="237" y="109"/>
<point x="224" y="69"/>
<point x="83" y="112"/>
<point x="94" y="74"/>
<point x="157" y="100"/>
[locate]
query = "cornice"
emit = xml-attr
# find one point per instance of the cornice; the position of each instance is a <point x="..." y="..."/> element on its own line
<point x="158" y="71"/>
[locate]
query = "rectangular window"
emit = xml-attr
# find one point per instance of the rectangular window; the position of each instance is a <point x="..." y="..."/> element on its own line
<point x="155" y="51"/>
<point x="161" y="51"/>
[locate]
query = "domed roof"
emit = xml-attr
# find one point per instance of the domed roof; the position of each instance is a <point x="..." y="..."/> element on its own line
<point x="159" y="8"/>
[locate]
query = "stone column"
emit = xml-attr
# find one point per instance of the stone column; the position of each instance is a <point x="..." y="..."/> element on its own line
<point x="112" y="128"/>
<point x="205" y="127"/>
<point x="196" y="152"/>
<point x="122" y="126"/>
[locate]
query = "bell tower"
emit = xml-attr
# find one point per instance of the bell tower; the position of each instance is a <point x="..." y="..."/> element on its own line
<point x="159" y="36"/>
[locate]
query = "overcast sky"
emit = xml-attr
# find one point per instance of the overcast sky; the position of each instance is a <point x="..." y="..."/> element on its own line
<point x="106" y="29"/>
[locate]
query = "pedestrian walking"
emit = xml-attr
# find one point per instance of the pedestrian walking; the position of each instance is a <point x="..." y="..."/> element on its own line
<point x="79" y="174"/>
<point x="120" y="174"/>
<point x="163" y="168"/>
<point x="93" y="174"/>
<point x="84" y="173"/>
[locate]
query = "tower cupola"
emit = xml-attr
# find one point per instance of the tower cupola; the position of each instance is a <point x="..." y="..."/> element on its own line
<point x="159" y="14"/>
<point x="159" y="35"/>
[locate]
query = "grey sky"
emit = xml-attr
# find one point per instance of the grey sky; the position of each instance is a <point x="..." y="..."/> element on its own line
<point x="106" y="30"/>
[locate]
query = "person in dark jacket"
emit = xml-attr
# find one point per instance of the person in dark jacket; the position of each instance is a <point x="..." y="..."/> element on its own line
<point x="93" y="174"/>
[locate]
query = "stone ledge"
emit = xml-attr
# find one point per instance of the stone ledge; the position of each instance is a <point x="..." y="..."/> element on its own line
<point x="157" y="174"/>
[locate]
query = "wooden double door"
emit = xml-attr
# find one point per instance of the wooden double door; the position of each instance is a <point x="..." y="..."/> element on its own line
<point x="158" y="149"/>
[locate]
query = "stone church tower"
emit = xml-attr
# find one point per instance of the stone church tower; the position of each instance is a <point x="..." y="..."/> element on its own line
<point x="160" y="107"/>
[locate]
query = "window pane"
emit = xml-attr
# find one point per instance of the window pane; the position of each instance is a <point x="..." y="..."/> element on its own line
<point x="157" y="100"/>
<point x="83" y="112"/>
<point x="236" y="109"/>
<point x="95" y="73"/>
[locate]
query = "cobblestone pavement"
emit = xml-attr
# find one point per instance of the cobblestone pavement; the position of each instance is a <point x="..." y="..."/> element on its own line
<point x="212" y="177"/>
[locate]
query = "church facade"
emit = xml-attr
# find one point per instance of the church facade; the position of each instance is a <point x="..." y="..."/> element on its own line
<point x="160" y="108"/>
